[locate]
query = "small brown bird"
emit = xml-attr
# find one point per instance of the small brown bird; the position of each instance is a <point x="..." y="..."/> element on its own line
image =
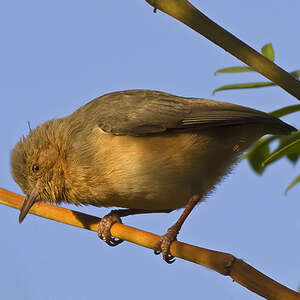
<point x="146" y="151"/>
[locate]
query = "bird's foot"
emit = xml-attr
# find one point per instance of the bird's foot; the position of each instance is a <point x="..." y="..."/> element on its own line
<point x="164" y="243"/>
<point x="104" y="229"/>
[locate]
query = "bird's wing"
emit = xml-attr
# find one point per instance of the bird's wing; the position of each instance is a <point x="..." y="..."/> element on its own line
<point x="139" y="112"/>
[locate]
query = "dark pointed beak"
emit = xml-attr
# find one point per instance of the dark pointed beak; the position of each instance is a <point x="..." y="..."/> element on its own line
<point x="28" y="202"/>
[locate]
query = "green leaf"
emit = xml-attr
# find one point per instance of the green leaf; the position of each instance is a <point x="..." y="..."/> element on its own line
<point x="240" y="69"/>
<point x="285" y="110"/>
<point x="292" y="157"/>
<point x="292" y="145"/>
<point x="293" y="183"/>
<point x="296" y="74"/>
<point x="249" y="85"/>
<point x="268" y="51"/>
<point x="258" y="153"/>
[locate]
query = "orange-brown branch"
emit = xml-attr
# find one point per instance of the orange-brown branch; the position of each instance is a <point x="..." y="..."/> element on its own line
<point x="221" y="262"/>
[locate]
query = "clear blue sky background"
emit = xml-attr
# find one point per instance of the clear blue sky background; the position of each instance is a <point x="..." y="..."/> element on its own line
<point x="56" y="56"/>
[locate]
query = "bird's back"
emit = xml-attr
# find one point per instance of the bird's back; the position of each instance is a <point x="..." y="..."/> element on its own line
<point x="139" y="112"/>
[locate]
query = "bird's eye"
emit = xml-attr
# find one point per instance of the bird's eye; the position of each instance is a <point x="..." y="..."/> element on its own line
<point x="35" y="168"/>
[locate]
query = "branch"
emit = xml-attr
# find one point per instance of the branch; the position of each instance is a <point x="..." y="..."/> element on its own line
<point x="224" y="263"/>
<point x="185" y="12"/>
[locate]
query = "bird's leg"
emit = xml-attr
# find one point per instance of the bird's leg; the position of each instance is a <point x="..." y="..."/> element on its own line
<point x="104" y="228"/>
<point x="165" y="241"/>
<point x="115" y="217"/>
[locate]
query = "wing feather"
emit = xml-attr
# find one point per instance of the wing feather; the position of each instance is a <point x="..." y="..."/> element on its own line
<point x="140" y="112"/>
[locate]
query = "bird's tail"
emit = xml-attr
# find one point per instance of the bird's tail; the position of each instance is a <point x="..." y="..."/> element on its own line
<point x="278" y="127"/>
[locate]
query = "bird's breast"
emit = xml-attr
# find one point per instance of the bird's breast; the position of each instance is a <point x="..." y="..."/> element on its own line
<point x="160" y="171"/>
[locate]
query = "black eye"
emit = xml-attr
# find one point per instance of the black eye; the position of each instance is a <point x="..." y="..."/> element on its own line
<point x="35" y="168"/>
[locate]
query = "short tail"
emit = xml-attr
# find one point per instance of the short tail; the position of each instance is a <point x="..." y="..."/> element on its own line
<point x="279" y="127"/>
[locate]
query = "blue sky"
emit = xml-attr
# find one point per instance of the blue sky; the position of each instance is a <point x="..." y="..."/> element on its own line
<point x="57" y="55"/>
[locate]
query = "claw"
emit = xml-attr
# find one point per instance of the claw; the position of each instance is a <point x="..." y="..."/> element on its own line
<point x="113" y="242"/>
<point x="157" y="252"/>
<point x="164" y="243"/>
<point x="169" y="259"/>
<point x="104" y="229"/>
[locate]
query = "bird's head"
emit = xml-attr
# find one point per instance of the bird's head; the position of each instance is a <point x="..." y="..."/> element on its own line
<point x="37" y="167"/>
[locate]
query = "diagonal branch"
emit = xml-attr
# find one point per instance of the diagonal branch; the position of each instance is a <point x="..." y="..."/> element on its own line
<point x="224" y="263"/>
<point x="186" y="13"/>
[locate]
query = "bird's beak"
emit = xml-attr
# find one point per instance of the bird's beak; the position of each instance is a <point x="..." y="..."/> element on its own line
<point x="28" y="202"/>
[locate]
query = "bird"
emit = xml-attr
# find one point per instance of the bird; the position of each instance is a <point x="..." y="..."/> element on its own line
<point x="142" y="151"/>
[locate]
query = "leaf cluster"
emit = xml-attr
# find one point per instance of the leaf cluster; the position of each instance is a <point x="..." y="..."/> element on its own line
<point x="260" y="155"/>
